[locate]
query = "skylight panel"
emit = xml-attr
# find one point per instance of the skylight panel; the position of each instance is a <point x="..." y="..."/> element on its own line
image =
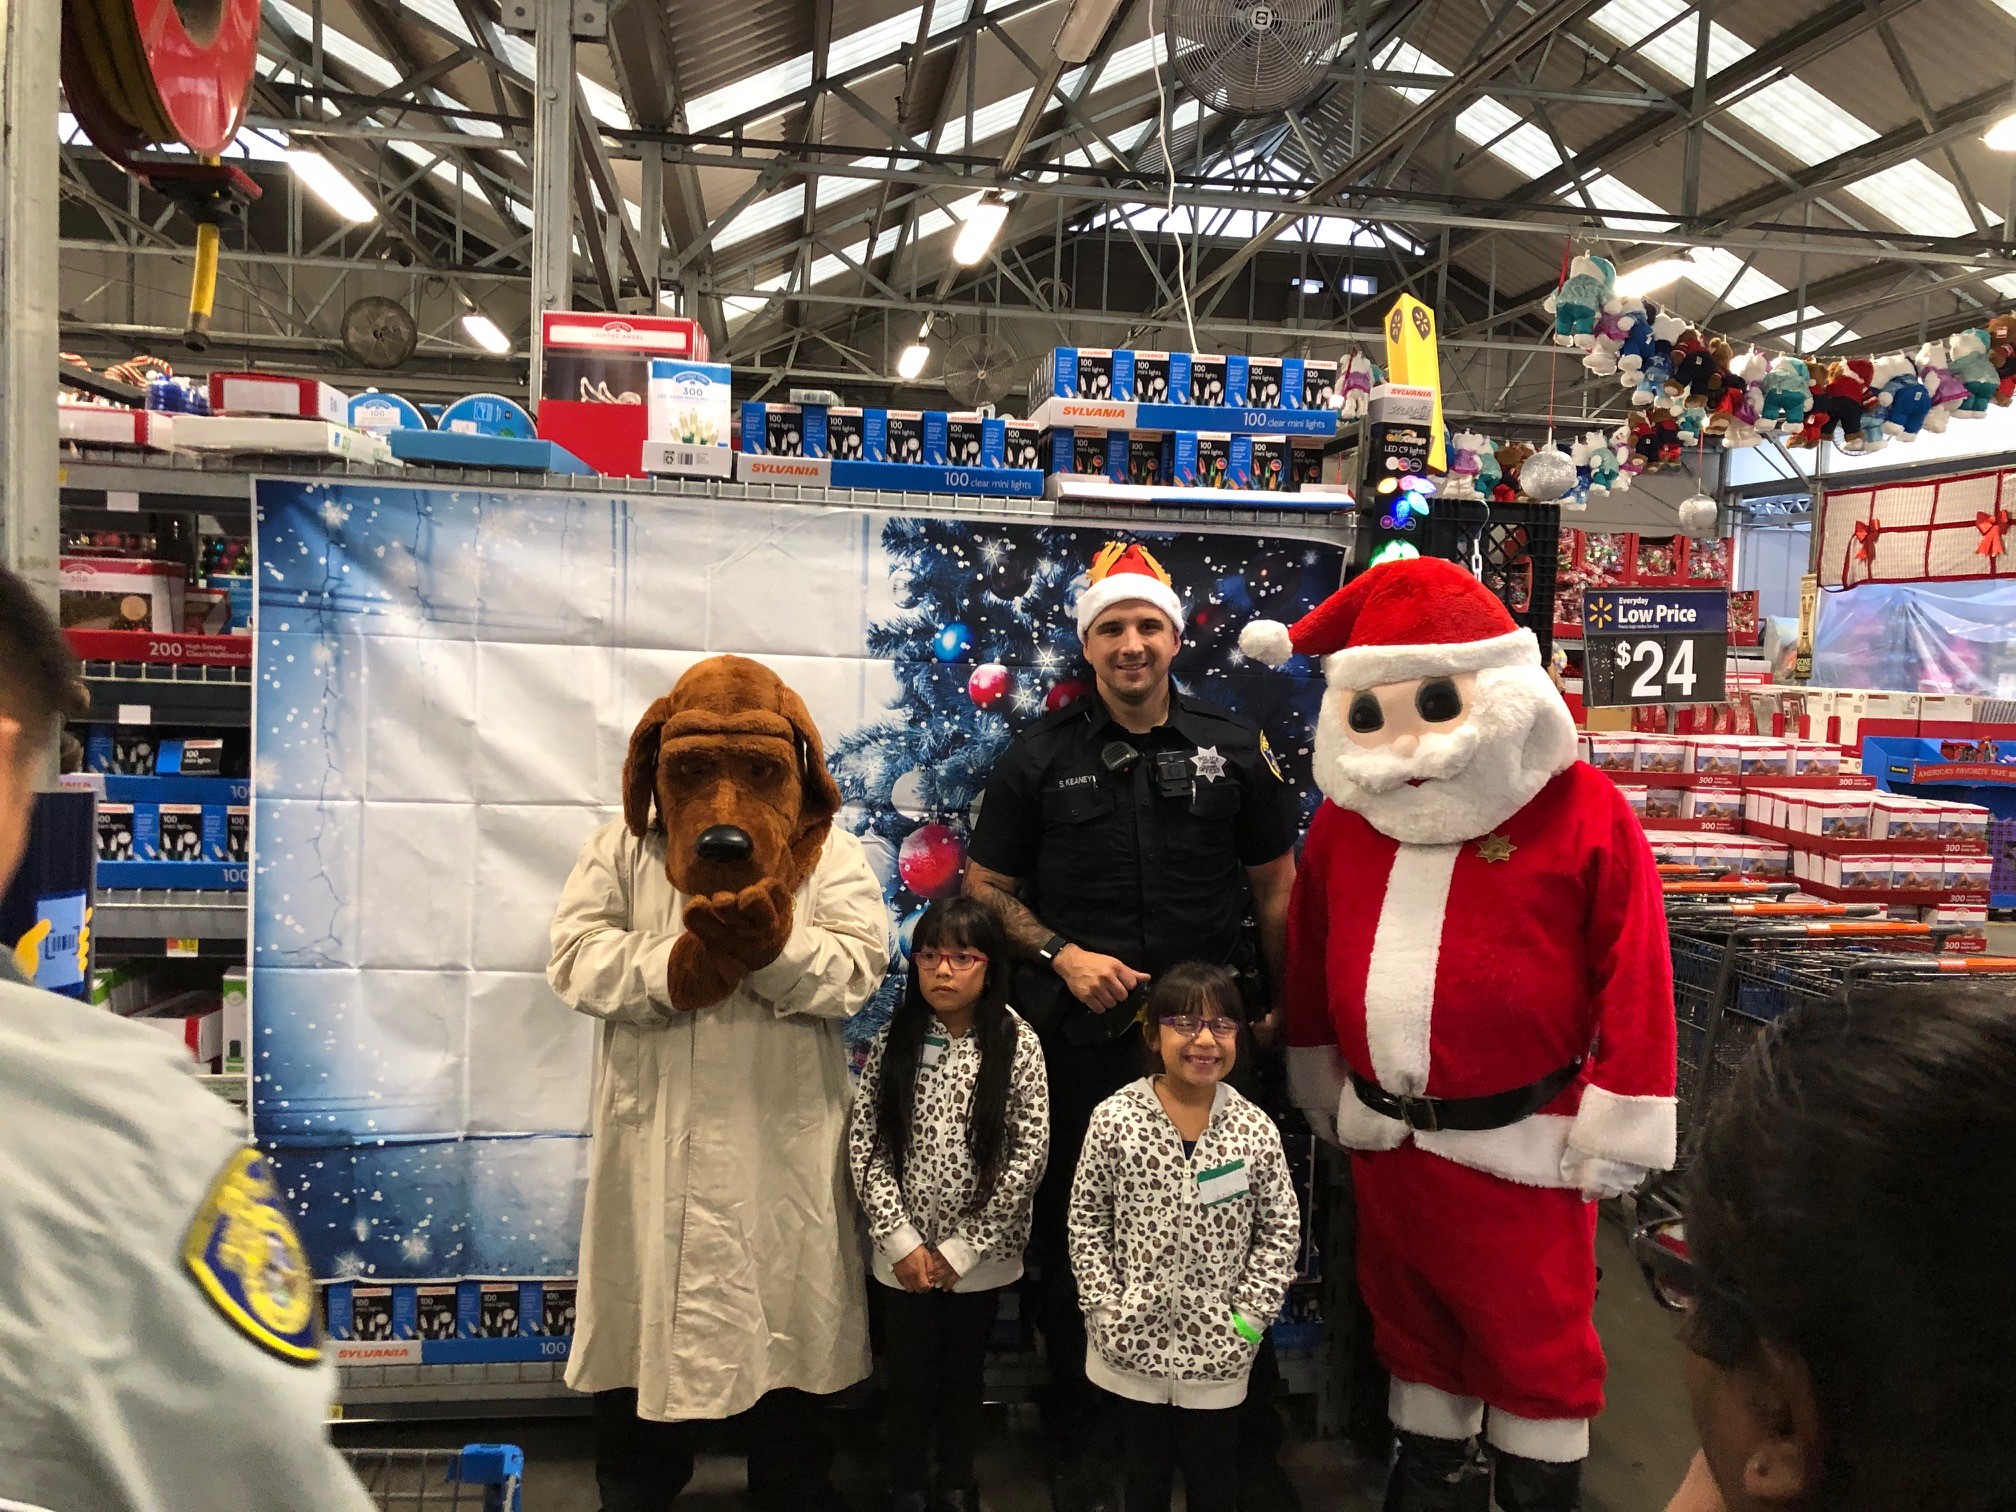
<point x="345" y="50"/>
<point x="1629" y="21"/>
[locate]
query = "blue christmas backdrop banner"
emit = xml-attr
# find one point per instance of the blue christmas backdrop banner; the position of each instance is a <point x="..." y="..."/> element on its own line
<point x="447" y="681"/>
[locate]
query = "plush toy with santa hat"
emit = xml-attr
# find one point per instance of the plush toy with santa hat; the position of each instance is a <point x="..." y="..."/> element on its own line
<point x="1479" y="1008"/>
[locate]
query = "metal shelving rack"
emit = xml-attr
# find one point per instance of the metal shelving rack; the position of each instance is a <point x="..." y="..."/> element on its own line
<point x="222" y="488"/>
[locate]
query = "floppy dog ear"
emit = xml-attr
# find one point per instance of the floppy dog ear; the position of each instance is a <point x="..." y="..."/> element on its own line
<point x="822" y="794"/>
<point x="640" y="768"/>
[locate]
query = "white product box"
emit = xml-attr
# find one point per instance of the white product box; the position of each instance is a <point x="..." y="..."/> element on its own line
<point x="1613" y="753"/>
<point x="1918" y="873"/>
<point x="122" y="593"/>
<point x="1810" y="759"/>
<point x="109" y="425"/>
<point x="1672" y="849"/>
<point x="1972" y="916"/>
<point x="1635" y="794"/>
<point x="1893" y="816"/>
<point x="1957" y="708"/>
<point x="1837" y="816"/>
<point x="1665" y="803"/>
<point x="1582" y="747"/>
<point x="689" y="403"/>
<point x="1765" y="755"/>
<point x="1860" y="873"/>
<point x="1720" y="755"/>
<point x="1773" y="859"/>
<point x="267" y="434"/>
<point x="1792" y="812"/>
<point x="1659" y="754"/>
<point x="277" y="394"/>
<point x="1708" y="804"/>
<point x="1963" y="821"/>
<point x="1968" y="873"/>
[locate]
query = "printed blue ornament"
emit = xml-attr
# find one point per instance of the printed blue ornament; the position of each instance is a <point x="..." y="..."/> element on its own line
<point x="952" y="643"/>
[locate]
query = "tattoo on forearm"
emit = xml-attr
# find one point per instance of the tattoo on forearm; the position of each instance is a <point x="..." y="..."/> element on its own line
<point x="998" y="892"/>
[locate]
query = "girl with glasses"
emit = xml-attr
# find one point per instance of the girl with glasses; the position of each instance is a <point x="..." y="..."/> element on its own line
<point x="950" y="1129"/>
<point x="1184" y="1231"/>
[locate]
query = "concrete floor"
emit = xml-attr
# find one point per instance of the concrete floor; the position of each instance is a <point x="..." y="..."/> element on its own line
<point x="1639" y="1447"/>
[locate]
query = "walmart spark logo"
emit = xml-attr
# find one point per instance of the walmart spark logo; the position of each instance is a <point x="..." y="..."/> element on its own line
<point x="1601" y="613"/>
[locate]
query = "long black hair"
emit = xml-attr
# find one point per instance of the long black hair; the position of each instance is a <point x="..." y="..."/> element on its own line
<point x="1853" y="1205"/>
<point x="1191" y="987"/>
<point x="953" y="923"/>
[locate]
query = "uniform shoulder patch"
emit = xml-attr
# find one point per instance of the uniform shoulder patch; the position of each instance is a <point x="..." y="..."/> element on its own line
<point x="242" y="1250"/>
<point x="1273" y="761"/>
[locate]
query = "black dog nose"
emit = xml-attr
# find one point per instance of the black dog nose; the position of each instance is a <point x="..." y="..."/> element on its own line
<point x="724" y="842"/>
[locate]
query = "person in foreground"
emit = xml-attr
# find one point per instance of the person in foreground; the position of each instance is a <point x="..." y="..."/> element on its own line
<point x="1184" y="1228"/>
<point x="158" y="1337"/>
<point x="948" y="1136"/>
<point x="1851" y="1219"/>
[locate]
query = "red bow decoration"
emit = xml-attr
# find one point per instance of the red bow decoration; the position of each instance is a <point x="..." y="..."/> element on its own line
<point x="1866" y="532"/>
<point x="1992" y="527"/>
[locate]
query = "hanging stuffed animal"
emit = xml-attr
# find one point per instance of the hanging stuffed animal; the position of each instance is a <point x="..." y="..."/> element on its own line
<point x="1635" y="349"/>
<point x="1694" y="375"/>
<point x="1511" y="457"/>
<point x="1970" y="364"/>
<point x="1612" y="325"/>
<point x="1355" y="377"/>
<point x="1461" y="480"/>
<point x="2002" y="352"/>
<point x="1902" y="401"/>
<point x="1742" y="400"/>
<point x="1658" y="370"/>
<point x="1947" y="390"/>
<point x="1874" y="437"/>
<point x="1839" y="398"/>
<point x="1788" y="395"/>
<point x="1588" y="290"/>
<point x="1488" y="475"/>
<point x="1693" y="423"/>
<point x="1599" y="457"/>
<point x="1655" y="432"/>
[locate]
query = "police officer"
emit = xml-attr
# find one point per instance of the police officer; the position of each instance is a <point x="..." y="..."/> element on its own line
<point x="1113" y="840"/>
<point x="158" y="1337"/>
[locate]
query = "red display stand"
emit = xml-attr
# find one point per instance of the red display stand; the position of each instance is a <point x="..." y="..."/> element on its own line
<point x="596" y="380"/>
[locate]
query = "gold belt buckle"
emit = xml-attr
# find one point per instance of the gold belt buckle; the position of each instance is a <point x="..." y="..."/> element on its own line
<point x="1430" y="1124"/>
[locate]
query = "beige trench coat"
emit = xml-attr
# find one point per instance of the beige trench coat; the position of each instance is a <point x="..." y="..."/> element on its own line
<point x="719" y="1253"/>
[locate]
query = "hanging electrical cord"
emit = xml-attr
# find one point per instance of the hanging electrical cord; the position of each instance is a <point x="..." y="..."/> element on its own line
<point x="1161" y="55"/>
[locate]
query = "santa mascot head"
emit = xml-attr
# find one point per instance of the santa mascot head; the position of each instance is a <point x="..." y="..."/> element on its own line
<point x="1439" y="722"/>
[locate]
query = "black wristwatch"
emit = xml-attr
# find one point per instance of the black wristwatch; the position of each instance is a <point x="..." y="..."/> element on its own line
<point x="1051" y="948"/>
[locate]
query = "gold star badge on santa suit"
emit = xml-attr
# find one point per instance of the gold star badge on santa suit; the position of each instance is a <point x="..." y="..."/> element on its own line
<point x="1495" y="848"/>
<point x="1209" y="764"/>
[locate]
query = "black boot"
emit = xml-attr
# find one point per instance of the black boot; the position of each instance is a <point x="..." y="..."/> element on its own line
<point x="1529" y="1485"/>
<point x="1438" y="1475"/>
<point x="959" y="1499"/>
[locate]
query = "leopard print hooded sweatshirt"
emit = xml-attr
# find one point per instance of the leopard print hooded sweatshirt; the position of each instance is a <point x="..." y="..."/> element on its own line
<point x="929" y="1205"/>
<point x="1166" y="1245"/>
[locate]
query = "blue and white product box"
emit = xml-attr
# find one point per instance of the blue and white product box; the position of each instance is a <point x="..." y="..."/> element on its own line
<point x="181" y="833"/>
<point x="1318" y="388"/>
<point x="491" y="1310"/>
<point x="936" y="426"/>
<point x="1209" y="375"/>
<point x="370" y="1313"/>
<point x="1210" y="459"/>
<point x="124" y="750"/>
<point x="1162" y="377"/>
<point x="1272" y="464"/>
<point x="857" y="435"/>
<point x="1077" y="450"/>
<point x="488" y="415"/>
<point x="972" y="441"/>
<point x="1021" y="444"/>
<point x="1264" y="377"/>
<point x="784" y="430"/>
<point x="903" y="432"/>
<point x="688" y="402"/>
<point x="436" y="1311"/>
<point x="237" y="834"/>
<point x="555" y="1316"/>
<point x="1084" y="373"/>
<point x="381" y="414"/>
<point x="1305" y="461"/>
<point x="189" y="758"/>
<point x="125" y="831"/>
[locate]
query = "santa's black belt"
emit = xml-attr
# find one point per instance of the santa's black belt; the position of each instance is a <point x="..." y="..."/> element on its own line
<point x="1431" y="1115"/>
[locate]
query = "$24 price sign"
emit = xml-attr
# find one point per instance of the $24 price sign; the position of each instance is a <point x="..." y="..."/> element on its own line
<point x="1654" y="646"/>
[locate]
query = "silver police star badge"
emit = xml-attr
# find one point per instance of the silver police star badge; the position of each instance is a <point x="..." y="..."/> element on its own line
<point x="1209" y="764"/>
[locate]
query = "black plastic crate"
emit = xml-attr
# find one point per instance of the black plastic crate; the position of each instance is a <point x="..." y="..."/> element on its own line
<point x="1513" y="548"/>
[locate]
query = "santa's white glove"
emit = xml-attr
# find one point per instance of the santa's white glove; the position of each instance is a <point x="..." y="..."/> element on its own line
<point x="1598" y="1178"/>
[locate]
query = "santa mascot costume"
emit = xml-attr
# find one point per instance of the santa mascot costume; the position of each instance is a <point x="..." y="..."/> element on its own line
<point x="1480" y="1010"/>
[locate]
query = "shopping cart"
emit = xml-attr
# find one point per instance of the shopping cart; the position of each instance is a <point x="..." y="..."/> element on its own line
<point x="1659" y="1238"/>
<point x="474" y="1478"/>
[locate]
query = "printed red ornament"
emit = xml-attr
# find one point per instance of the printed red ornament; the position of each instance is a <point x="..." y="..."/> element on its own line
<point x="989" y="684"/>
<point x="931" y="860"/>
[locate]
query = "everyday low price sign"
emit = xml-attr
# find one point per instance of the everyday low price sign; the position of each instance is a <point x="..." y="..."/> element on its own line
<point x="1654" y="646"/>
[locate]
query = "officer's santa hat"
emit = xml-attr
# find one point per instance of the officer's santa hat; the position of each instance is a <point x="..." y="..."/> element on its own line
<point x="1123" y="574"/>
<point x="1422" y="617"/>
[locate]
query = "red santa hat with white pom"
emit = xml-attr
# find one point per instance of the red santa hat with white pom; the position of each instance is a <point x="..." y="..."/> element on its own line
<point x="1424" y="617"/>
<point x="1126" y="573"/>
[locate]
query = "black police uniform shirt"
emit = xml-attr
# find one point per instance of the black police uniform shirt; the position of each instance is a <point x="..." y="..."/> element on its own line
<point x="1147" y="863"/>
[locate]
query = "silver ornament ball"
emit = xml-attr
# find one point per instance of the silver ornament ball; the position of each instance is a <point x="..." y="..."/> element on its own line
<point x="1697" y="517"/>
<point x="1546" y="475"/>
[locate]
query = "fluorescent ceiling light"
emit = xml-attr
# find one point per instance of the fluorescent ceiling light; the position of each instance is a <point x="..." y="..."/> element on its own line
<point x="482" y="330"/>
<point x="328" y="184"/>
<point x="1362" y="285"/>
<point x="1654" y="275"/>
<point x="984" y="219"/>
<point x="2002" y="135"/>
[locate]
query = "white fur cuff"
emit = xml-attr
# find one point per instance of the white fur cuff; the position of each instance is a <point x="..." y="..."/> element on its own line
<point x="1359" y="1128"/>
<point x="1432" y="1412"/>
<point x="1558" y="1441"/>
<point x="1370" y="666"/>
<point x="1639" y="1131"/>
<point x="1315" y="1078"/>
<point x="1267" y="641"/>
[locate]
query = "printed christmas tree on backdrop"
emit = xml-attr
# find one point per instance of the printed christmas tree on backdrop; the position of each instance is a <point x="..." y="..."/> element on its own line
<point x="985" y="643"/>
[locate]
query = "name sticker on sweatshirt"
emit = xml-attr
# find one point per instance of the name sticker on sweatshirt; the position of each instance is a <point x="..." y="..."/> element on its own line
<point x="1222" y="1183"/>
<point x="935" y="1046"/>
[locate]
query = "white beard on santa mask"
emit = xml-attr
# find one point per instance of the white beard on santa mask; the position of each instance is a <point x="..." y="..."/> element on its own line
<point x="1517" y="738"/>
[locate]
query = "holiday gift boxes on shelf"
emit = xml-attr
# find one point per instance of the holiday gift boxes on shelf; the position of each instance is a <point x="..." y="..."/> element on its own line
<point x="595" y="382"/>
<point x="788" y="430"/>
<point x="1083" y="373"/>
<point x="113" y="425"/>
<point x="121" y="593"/>
<point x="276" y="394"/>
